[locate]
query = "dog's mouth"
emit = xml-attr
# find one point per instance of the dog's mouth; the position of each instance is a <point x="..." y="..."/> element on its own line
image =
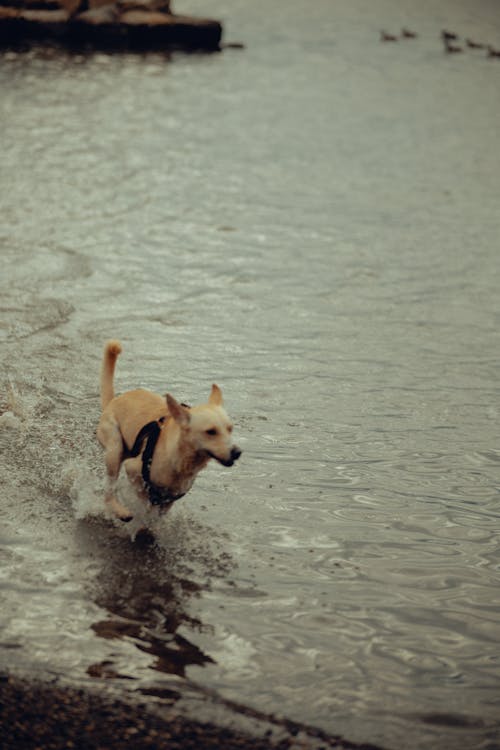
<point x="234" y="456"/>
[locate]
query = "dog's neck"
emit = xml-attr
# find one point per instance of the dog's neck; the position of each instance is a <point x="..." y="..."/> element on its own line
<point x="175" y="461"/>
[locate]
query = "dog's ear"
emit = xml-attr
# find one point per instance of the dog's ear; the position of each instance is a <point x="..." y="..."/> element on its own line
<point x="178" y="412"/>
<point x="215" y="398"/>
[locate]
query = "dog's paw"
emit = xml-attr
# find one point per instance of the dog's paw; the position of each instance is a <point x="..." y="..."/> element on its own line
<point x="144" y="538"/>
<point x="119" y="511"/>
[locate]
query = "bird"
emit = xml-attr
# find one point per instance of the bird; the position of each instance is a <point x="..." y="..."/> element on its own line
<point x="474" y="45"/>
<point x="448" y="36"/>
<point x="385" y="37"/>
<point x="452" y="48"/>
<point x="492" y="52"/>
<point x="407" y="34"/>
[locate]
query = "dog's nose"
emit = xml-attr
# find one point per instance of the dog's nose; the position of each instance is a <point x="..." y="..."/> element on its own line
<point x="235" y="453"/>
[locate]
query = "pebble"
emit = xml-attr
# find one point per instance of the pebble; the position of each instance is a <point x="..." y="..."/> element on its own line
<point x="37" y="715"/>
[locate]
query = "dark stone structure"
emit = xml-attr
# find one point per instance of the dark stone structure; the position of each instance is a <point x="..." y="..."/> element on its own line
<point x="102" y="24"/>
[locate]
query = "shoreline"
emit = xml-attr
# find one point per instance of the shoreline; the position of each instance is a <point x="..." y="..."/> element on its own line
<point x="36" y="715"/>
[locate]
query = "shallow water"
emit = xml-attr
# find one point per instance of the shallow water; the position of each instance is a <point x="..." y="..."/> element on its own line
<point x="313" y="224"/>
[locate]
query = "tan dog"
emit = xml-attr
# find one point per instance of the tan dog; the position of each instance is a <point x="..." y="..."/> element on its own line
<point x="162" y="444"/>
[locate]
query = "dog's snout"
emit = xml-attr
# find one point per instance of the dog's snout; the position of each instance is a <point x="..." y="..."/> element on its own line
<point x="235" y="453"/>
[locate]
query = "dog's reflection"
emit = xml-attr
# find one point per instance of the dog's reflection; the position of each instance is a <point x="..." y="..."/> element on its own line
<point x="146" y="603"/>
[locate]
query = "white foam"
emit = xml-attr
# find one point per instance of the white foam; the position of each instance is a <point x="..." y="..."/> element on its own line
<point x="9" y="420"/>
<point x="85" y="490"/>
<point x="18" y="405"/>
<point x="235" y="654"/>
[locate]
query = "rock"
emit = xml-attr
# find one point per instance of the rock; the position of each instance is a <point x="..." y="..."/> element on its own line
<point x="21" y="25"/>
<point x="32" y="4"/>
<point x="157" y="30"/>
<point x="163" y="6"/>
<point x="72" y="6"/>
<point x="48" y="17"/>
<point x="99" y="16"/>
<point x="125" y="24"/>
<point x="37" y="715"/>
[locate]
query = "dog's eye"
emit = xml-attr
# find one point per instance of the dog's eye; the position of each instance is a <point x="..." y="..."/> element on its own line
<point x="230" y="428"/>
<point x="211" y="431"/>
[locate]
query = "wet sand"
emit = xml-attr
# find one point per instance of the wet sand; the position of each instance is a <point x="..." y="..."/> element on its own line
<point x="47" y="717"/>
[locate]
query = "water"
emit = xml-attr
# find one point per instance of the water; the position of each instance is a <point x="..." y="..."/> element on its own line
<point x="313" y="224"/>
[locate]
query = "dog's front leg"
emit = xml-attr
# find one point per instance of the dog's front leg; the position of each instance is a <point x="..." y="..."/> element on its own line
<point x="120" y="511"/>
<point x="113" y="445"/>
<point x="133" y="467"/>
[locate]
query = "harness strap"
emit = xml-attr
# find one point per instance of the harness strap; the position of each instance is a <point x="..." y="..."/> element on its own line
<point x="150" y="432"/>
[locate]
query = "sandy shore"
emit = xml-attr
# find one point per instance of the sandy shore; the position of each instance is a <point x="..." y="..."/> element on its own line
<point x="39" y="716"/>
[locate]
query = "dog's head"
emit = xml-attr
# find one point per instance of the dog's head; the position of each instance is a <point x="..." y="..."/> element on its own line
<point x="207" y="428"/>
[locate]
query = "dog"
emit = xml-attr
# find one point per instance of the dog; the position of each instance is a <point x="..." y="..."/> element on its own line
<point x="162" y="443"/>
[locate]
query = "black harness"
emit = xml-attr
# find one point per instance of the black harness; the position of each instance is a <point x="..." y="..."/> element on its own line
<point x="150" y="433"/>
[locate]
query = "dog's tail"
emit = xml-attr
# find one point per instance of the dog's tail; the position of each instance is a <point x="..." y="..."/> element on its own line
<point x="111" y="351"/>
